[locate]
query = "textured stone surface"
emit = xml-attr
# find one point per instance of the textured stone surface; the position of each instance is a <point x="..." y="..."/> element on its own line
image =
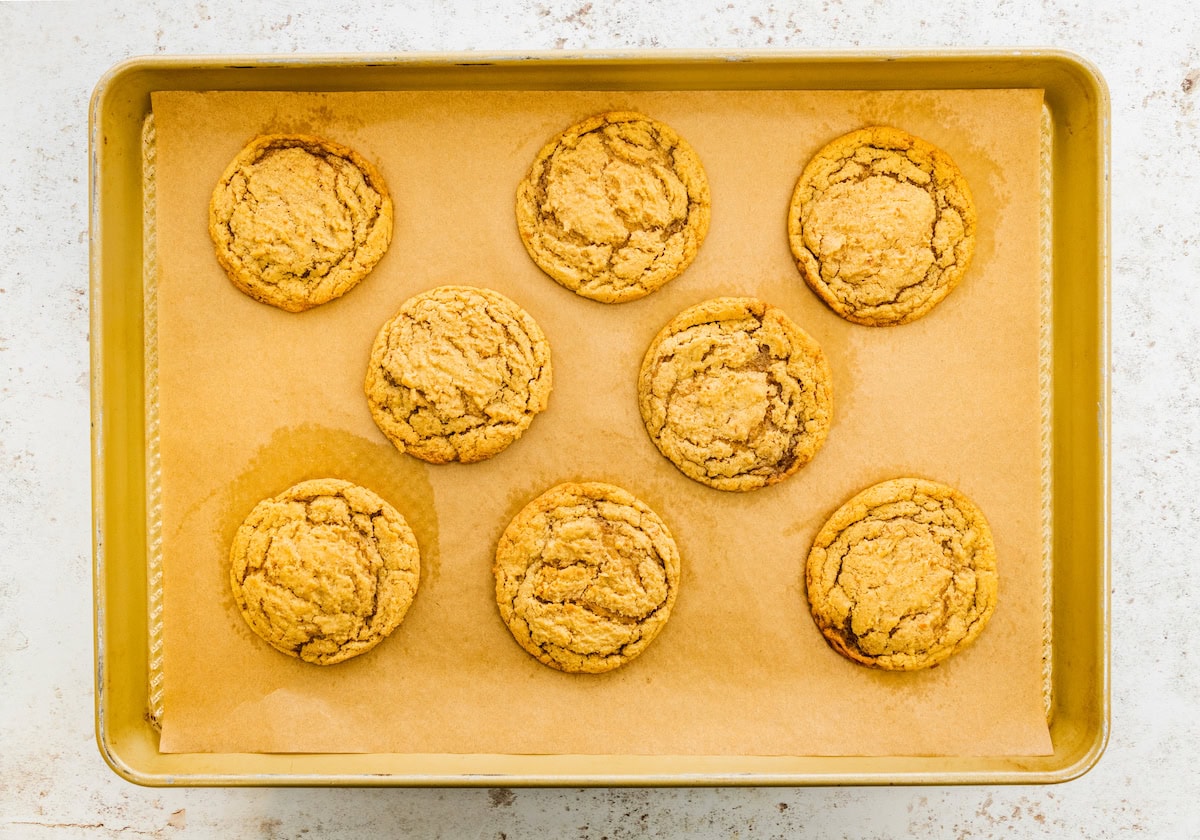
<point x="53" y="783"/>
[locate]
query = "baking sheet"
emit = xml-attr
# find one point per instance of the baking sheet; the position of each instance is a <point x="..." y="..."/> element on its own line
<point x="253" y="399"/>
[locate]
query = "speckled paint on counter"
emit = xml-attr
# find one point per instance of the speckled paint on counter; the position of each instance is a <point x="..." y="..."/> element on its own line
<point x="53" y="783"/>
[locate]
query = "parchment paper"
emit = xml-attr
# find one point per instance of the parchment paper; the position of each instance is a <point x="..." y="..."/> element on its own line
<point x="253" y="399"/>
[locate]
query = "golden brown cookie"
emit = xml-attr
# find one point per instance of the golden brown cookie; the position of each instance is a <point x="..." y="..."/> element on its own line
<point x="735" y="394"/>
<point x="458" y="374"/>
<point x="325" y="570"/>
<point x="614" y="207"/>
<point x="903" y="575"/>
<point x="882" y="225"/>
<point x="298" y="221"/>
<point x="586" y="575"/>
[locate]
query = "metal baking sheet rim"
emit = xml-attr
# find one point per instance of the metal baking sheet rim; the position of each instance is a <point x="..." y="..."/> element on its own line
<point x="1078" y="104"/>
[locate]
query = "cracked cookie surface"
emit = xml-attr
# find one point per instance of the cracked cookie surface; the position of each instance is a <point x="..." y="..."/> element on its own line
<point x="882" y="226"/>
<point x="298" y="221"/>
<point x="325" y="570"/>
<point x="458" y="374"/>
<point x="614" y="207"/>
<point x="735" y="394"/>
<point x="903" y="575"/>
<point x="586" y="576"/>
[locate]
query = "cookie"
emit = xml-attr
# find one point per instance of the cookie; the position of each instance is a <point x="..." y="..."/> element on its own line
<point x="882" y="226"/>
<point x="458" y="374"/>
<point x="903" y="575"/>
<point x="324" y="571"/>
<point x="586" y="576"/>
<point x="298" y="221"/>
<point x="614" y="207"/>
<point x="735" y="394"/>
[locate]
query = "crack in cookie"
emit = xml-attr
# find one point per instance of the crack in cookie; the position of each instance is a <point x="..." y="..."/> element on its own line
<point x="882" y="226"/>
<point x="324" y="571"/>
<point x="903" y="575"/>
<point x="458" y="374"/>
<point x="614" y="207"/>
<point x="735" y="394"/>
<point x="586" y="576"/>
<point x="297" y="221"/>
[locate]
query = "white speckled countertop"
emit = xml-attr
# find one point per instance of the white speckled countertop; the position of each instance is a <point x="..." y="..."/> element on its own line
<point x="53" y="782"/>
